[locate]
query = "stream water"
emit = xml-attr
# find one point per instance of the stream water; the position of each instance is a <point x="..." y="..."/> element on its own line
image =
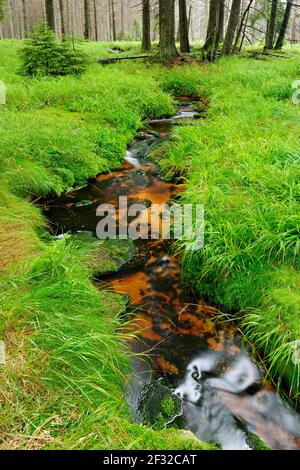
<point x="222" y="388"/>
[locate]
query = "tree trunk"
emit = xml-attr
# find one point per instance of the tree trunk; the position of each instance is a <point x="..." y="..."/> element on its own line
<point x="183" y="28"/>
<point x="146" y="40"/>
<point x="167" y="28"/>
<point x="122" y="20"/>
<point x="86" y="19"/>
<point x="24" y="18"/>
<point x="221" y="20"/>
<point x="50" y="15"/>
<point x="284" y="25"/>
<point x="62" y="18"/>
<point x="243" y="25"/>
<point x="113" y="17"/>
<point x="232" y="25"/>
<point x="211" y="45"/>
<point x="271" y="26"/>
<point x="96" y="21"/>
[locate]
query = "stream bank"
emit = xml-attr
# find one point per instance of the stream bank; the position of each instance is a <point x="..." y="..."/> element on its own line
<point x="222" y="389"/>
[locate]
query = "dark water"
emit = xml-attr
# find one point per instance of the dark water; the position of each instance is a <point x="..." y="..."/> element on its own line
<point x="203" y="360"/>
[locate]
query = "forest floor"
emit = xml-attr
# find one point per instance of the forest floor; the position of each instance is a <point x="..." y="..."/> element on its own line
<point x="63" y="382"/>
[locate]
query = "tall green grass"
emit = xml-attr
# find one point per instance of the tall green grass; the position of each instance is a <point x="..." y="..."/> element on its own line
<point x="64" y="380"/>
<point x="242" y="163"/>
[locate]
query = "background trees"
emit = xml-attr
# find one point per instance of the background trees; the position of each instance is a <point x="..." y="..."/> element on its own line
<point x="146" y="41"/>
<point x="284" y="25"/>
<point x="2" y="10"/>
<point x="230" y="23"/>
<point x="232" y="26"/>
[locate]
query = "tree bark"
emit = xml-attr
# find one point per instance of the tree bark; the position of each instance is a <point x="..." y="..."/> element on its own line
<point x="50" y="15"/>
<point x="113" y="18"/>
<point x="62" y="18"/>
<point x="167" y="28"/>
<point x="284" y="25"/>
<point x="86" y="19"/>
<point x="96" y="20"/>
<point x="211" y="45"/>
<point x="146" y="40"/>
<point x="24" y="18"/>
<point x="221" y="20"/>
<point x="243" y="25"/>
<point x="232" y="25"/>
<point x="122" y="20"/>
<point x="271" y="26"/>
<point x="183" y="28"/>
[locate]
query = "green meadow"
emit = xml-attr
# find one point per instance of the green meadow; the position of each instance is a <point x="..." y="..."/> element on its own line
<point x="68" y="362"/>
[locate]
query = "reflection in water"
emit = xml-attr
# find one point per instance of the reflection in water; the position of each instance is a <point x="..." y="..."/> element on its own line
<point x="203" y="360"/>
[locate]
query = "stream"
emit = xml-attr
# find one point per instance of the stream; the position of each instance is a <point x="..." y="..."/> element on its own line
<point x="221" y="387"/>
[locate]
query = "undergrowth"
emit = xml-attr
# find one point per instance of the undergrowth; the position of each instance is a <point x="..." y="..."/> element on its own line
<point x="242" y="163"/>
<point x="66" y="369"/>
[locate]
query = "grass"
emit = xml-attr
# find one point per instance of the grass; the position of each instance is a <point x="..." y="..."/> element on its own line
<point x="242" y="163"/>
<point x="67" y="362"/>
<point x="63" y="383"/>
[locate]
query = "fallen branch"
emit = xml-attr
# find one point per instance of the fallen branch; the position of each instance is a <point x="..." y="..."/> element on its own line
<point x="111" y="60"/>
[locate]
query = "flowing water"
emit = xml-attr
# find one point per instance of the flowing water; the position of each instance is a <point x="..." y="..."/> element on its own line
<point x="222" y="389"/>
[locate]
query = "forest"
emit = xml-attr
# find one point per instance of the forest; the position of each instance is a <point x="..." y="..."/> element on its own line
<point x="149" y="225"/>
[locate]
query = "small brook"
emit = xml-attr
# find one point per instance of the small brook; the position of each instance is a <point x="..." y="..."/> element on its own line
<point x="223" y="390"/>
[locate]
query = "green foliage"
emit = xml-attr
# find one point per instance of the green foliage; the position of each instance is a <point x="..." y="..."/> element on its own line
<point x="242" y="164"/>
<point x="63" y="384"/>
<point x="42" y="55"/>
<point x="157" y="406"/>
<point x="58" y="132"/>
<point x="186" y="81"/>
<point x="2" y="9"/>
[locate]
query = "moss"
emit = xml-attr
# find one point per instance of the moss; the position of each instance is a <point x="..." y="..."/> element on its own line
<point x="157" y="406"/>
<point x="256" y="443"/>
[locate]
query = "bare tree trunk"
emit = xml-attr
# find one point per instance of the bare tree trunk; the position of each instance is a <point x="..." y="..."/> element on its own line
<point x="221" y="20"/>
<point x="62" y="18"/>
<point x="146" y="40"/>
<point x="284" y="25"/>
<point x="24" y="18"/>
<point x="190" y="18"/>
<point x="167" y="28"/>
<point x="113" y="17"/>
<point x="183" y="28"/>
<point x="232" y="25"/>
<point x="122" y="19"/>
<point x="50" y="14"/>
<point x="96" y="21"/>
<point x="211" y="45"/>
<point x="271" y="26"/>
<point x="86" y="19"/>
<point x="243" y="24"/>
